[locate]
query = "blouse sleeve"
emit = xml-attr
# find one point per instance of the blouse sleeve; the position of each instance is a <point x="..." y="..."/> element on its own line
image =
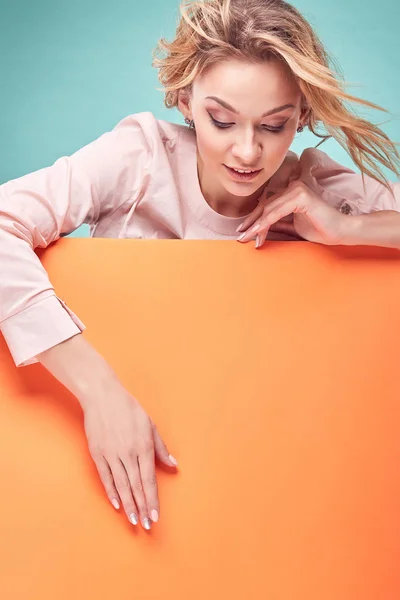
<point x="36" y="209"/>
<point x="343" y="188"/>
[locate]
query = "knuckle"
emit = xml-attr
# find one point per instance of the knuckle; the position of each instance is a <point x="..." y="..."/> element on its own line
<point x="147" y="447"/>
<point x="105" y="477"/>
<point x="128" y="455"/>
<point x="123" y="484"/>
<point x="268" y="221"/>
<point x="151" y="481"/>
<point x="138" y="486"/>
<point x="141" y="505"/>
<point x="102" y="469"/>
<point x="109" y="486"/>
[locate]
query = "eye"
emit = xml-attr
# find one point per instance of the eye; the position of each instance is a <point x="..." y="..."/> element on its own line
<point x="273" y="129"/>
<point x="227" y="125"/>
<point x="219" y="124"/>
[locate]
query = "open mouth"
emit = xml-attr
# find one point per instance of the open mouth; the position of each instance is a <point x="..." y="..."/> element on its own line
<point x="241" y="175"/>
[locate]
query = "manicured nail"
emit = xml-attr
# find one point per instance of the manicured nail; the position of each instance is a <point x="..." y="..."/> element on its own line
<point x="154" y="516"/>
<point x="115" y="503"/>
<point x="133" y="519"/>
<point x="255" y="228"/>
<point x="173" y="460"/>
<point x="146" y="523"/>
<point x="240" y="227"/>
<point x="241" y="236"/>
<point x="257" y="241"/>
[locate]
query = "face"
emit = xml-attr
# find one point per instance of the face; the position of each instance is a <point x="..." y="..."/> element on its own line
<point x="246" y="116"/>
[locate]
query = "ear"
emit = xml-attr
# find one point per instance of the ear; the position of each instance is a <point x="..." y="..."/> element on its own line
<point x="304" y="114"/>
<point x="184" y="103"/>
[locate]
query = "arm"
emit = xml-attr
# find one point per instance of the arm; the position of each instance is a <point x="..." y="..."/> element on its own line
<point x="381" y="228"/>
<point x="376" y="212"/>
<point x="35" y="210"/>
<point x="80" y="368"/>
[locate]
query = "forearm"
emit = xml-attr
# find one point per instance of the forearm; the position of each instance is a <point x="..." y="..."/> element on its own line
<point x="381" y="228"/>
<point x="79" y="367"/>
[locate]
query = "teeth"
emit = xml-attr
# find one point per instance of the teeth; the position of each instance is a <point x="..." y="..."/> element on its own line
<point x="237" y="171"/>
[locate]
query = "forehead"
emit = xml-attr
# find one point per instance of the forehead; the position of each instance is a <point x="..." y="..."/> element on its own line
<point x="245" y="85"/>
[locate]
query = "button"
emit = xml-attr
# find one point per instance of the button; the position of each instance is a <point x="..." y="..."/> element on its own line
<point x="345" y="209"/>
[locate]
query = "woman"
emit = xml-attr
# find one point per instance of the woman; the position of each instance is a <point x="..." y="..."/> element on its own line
<point x="246" y="76"/>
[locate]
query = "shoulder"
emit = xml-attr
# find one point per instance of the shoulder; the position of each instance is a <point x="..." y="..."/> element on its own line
<point x="146" y="128"/>
<point x="343" y="187"/>
<point x="314" y="160"/>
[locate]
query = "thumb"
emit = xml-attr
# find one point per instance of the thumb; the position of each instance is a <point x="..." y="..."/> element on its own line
<point x="161" y="451"/>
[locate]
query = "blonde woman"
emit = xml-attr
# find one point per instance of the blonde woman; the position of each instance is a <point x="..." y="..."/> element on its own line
<point x="247" y="75"/>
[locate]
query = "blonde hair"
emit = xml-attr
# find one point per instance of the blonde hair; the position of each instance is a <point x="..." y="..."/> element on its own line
<point x="210" y="31"/>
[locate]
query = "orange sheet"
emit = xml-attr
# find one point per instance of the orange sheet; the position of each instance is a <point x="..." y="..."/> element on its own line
<point x="273" y="376"/>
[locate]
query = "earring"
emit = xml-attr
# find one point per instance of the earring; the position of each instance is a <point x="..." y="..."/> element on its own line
<point x="300" y="129"/>
<point x="190" y="123"/>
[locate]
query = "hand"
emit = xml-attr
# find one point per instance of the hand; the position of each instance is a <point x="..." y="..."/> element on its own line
<point x="123" y="442"/>
<point x="313" y="219"/>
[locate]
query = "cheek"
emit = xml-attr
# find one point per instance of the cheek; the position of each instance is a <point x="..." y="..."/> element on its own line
<point x="274" y="153"/>
<point x="210" y="146"/>
<point x="277" y="145"/>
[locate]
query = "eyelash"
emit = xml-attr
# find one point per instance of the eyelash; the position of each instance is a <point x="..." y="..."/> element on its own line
<point x="227" y="125"/>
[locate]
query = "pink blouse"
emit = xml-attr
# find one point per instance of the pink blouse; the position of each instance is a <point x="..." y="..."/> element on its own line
<point x="137" y="181"/>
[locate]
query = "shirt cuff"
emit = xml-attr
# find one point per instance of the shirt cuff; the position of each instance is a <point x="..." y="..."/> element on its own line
<point x="38" y="328"/>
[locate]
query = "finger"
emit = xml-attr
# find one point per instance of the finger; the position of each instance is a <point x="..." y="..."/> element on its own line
<point x="161" y="450"/>
<point x="146" y="460"/>
<point x="257" y="227"/>
<point x="123" y="486"/>
<point x="272" y="215"/>
<point x="284" y="227"/>
<point x="251" y="218"/>
<point x="260" y="238"/>
<point x="279" y="227"/>
<point x="132" y="468"/>
<point x="258" y="211"/>
<point x="275" y="214"/>
<point x="107" y="480"/>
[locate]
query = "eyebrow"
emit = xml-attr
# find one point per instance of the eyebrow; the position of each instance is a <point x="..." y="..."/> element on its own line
<point x="229" y="107"/>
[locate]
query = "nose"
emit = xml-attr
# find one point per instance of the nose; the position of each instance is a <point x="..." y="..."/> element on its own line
<point x="247" y="150"/>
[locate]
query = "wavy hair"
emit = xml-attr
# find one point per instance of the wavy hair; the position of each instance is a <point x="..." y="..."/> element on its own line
<point x="210" y="31"/>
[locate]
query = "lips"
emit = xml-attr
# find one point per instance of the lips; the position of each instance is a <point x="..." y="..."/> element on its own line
<point x="242" y="176"/>
<point x="247" y="170"/>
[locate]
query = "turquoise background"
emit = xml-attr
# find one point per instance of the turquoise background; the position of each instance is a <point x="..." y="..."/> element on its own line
<point x="71" y="70"/>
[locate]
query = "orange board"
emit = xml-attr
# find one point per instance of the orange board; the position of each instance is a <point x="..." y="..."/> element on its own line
<point x="273" y="377"/>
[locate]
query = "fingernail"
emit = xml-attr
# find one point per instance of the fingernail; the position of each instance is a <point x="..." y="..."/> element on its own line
<point x="240" y="227"/>
<point x="133" y="519"/>
<point x="115" y="503"/>
<point x="154" y="516"/>
<point x="173" y="460"/>
<point x="241" y="236"/>
<point x="146" y="523"/>
<point x="257" y="241"/>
